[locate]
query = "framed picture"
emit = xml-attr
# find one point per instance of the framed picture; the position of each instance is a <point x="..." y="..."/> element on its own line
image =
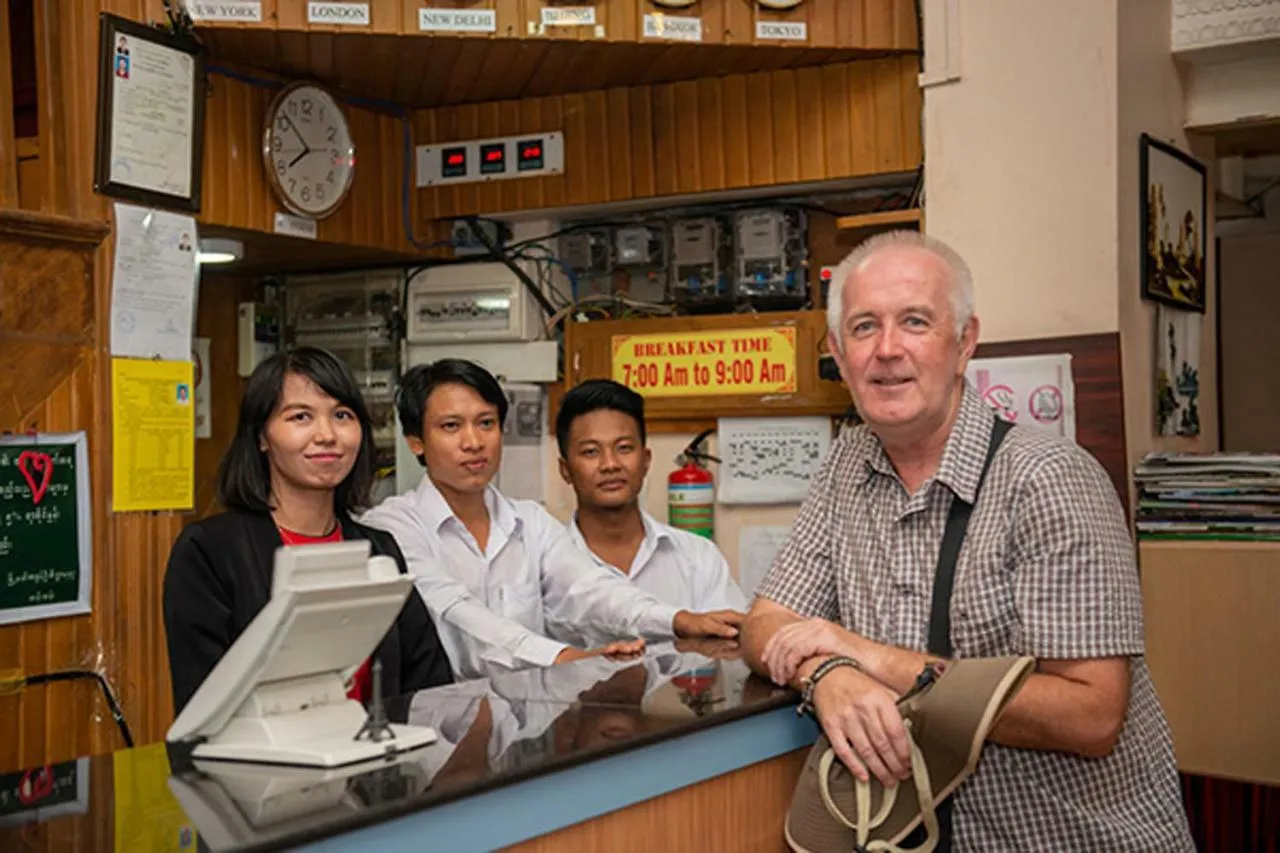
<point x="1174" y="190"/>
<point x="150" y="135"/>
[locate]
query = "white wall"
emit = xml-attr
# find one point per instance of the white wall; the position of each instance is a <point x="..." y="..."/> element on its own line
<point x="1020" y="164"/>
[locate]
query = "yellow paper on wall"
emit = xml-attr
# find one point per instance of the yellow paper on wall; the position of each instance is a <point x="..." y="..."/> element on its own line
<point x="153" y="435"/>
<point x="148" y="817"/>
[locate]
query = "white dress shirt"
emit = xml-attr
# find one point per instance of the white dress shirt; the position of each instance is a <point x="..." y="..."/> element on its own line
<point x="502" y="604"/>
<point x="676" y="567"/>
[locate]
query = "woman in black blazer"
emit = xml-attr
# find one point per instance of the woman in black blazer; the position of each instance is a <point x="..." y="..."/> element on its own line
<point x="300" y="466"/>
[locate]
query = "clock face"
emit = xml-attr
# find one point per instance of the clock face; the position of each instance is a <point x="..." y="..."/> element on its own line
<point x="308" y="152"/>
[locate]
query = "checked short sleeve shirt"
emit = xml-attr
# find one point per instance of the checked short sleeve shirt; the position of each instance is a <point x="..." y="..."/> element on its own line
<point x="1047" y="570"/>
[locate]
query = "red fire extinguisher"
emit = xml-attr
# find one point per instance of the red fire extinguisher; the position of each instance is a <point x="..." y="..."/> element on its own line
<point x="691" y="490"/>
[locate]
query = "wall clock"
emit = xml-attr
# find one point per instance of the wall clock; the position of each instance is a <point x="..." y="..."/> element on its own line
<point x="675" y="4"/>
<point x="779" y="4"/>
<point x="307" y="150"/>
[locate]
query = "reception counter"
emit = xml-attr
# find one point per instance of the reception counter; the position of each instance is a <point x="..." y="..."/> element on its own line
<point x="683" y="749"/>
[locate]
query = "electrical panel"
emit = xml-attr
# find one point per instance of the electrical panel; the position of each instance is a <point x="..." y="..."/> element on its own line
<point x="643" y="245"/>
<point x="469" y="303"/>
<point x="354" y="316"/>
<point x="770" y="253"/>
<point x="699" y="262"/>
<point x="464" y="239"/>
<point x="587" y="251"/>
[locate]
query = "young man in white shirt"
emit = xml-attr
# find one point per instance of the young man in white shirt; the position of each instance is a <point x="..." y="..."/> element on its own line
<point x="601" y="435"/>
<point x="501" y="577"/>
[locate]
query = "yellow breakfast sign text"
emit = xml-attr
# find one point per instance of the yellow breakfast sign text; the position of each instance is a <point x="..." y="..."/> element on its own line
<point x="689" y="364"/>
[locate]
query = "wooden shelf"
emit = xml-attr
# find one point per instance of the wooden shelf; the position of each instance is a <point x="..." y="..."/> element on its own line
<point x="883" y="219"/>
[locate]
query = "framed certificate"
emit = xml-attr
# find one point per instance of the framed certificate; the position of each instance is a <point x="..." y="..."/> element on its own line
<point x="150" y="139"/>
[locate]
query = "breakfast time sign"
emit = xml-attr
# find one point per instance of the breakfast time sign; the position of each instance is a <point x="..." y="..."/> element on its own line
<point x="731" y="361"/>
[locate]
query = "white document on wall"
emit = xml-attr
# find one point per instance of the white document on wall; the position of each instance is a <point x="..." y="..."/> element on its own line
<point x="770" y="460"/>
<point x="153" y="284"/>
<point x="757" y="549"/>
<point x="1032" y="390"/>
<point x="521" y="474"/>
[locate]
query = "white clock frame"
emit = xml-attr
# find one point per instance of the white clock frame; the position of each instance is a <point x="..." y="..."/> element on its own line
<point x="297" y="173"/>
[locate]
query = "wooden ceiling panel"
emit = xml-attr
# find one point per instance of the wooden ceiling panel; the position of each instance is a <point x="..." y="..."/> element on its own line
<point x="418" y="71"/>
<point x="273" y="254"/>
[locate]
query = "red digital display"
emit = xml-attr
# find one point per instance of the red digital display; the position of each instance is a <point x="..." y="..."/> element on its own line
<point x="493" y="158"/>
<point x="453" y="162"/>
<point x="529" y="154"/>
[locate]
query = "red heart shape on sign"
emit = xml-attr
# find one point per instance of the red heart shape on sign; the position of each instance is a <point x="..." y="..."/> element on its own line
<point x="31" y="464"/>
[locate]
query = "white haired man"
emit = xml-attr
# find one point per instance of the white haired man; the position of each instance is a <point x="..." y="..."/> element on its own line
<point x="1082" y="758"/>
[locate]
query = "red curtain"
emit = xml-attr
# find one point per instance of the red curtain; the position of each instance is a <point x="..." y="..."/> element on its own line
<point x="1232" y="817"/>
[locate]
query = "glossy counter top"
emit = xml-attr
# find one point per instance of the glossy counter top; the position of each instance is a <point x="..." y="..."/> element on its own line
<point x="517" y="754"/>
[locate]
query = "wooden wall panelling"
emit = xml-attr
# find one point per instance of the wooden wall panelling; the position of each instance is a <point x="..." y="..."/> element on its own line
<point x="8" y="144"/>
<point x="49" y="384"/>
<point x="237" y="194"/>
<point x="741" y="811"/>
<point x="30" y="173"/>
<point x="753" y="130"/>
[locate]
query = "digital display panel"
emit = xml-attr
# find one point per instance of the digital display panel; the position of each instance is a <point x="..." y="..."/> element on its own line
<point x="453" y="162"/>
<point x="493" y="158"/>
<point x="530" y="154"/>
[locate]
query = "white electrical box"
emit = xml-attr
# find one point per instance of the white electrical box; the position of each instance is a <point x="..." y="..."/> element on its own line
<point x="258" y="335"/>
<point x="470" y="303"/>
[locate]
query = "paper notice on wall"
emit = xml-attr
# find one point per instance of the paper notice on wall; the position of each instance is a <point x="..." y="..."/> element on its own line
<point x="204" y="415"/>
<point x="757" y="548"/>
<point x="1031" y="390"/>
<point x="152" y="434"/>
<point x="770" y="460"/>
<point x="521" y="473"/>
<point x="153" y="284"/>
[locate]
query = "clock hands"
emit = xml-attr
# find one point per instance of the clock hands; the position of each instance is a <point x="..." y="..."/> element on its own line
<point x="306" y="149"/>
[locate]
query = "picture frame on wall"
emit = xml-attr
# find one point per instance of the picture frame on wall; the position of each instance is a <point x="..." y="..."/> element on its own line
<point x="150" y="123"/>
<point x="1174" y="188"/>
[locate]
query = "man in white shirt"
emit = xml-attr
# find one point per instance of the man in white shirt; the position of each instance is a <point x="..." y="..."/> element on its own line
<point x="601" y="435"/>
<point x="501" y="577"/>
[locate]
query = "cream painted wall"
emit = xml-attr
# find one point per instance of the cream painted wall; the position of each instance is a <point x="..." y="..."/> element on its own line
<point x="1151" y="100"/>
<point x="1032" y="174"/>
<point x="1020" y="164"/>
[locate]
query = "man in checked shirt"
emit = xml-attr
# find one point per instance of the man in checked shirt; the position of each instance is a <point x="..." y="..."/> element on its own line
<point x="1082" y="758"/>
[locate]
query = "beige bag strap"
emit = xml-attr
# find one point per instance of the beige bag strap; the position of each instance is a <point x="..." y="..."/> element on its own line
<point x="865" y="822"/>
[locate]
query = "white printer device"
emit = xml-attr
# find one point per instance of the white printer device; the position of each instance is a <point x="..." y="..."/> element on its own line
<point x="278" y="694"/>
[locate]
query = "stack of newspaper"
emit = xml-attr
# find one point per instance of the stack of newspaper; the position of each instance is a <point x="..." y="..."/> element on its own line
<point x="1209" y="495"/>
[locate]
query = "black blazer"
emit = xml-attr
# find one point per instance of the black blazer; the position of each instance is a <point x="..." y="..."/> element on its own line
<point x="219" y="577"/>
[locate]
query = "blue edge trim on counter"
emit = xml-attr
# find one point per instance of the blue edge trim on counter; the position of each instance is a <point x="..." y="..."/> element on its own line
<point x="515" y="813"/>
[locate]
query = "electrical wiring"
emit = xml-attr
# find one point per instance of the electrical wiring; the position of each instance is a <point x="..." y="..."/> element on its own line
<point x="621" y="305"/>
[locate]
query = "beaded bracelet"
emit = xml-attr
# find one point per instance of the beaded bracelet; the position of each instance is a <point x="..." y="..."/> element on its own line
<point x="807" y="685"/>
